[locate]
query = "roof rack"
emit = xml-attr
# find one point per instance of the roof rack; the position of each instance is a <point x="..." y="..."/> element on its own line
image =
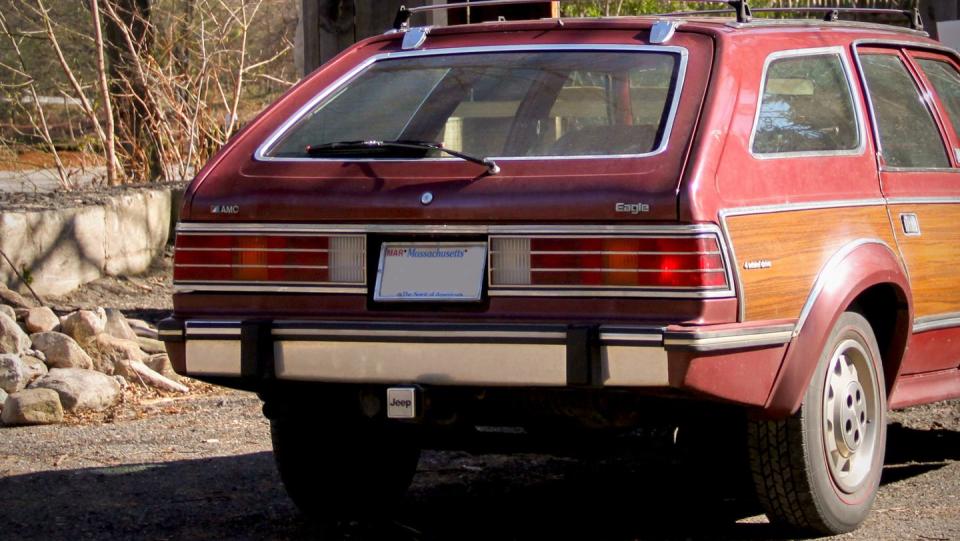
<point x="741" y="8"/>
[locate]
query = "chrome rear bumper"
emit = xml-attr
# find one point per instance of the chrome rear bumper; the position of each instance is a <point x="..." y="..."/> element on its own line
<point x="448" y="354"/>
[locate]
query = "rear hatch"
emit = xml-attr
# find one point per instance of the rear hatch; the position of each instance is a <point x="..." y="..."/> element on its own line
<point x="583" y="125"/>
<point x="567" y="148"/>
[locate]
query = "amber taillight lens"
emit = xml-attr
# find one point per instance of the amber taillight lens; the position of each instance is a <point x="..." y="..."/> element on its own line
<point x="297" y="259"/>
<point x="657" y="262"/>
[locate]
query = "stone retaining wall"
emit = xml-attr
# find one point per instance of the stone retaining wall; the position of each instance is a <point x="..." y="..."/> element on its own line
<point x="63" y="249"/>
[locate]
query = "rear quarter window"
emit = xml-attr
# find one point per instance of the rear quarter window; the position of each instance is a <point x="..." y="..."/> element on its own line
<point x="806" y="107"/>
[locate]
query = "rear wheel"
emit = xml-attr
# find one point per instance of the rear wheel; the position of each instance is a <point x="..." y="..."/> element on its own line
<point x="339" y="471"/>
<point x="819" y="469"/>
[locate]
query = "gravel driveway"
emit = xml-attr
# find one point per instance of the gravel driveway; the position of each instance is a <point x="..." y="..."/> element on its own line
<point x="201" y="468"/>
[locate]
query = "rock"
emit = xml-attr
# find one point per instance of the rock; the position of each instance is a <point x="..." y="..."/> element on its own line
<point x="4" y="309"/>
<point x="137" y="371"/>
<point x="161" y="364"/>
<point x="3" y="398"/>
<point x="117" y="325"/>
<point x="12" y="337"/>
<point x="80" y="389"/>
<point x="41" y="319"/>
<point x="32" y="407"/>
<point x="61" y="350"/>
<point x="33" y="367"/>
<point x="153" y="347"/>
<point x="14" y="299"/>
<point x="142" y="328"/>
<point x="36" y="353"/>
<point x="83" y="325"/>
<point x="108" y="350"/>
<point x="12" y="376"/>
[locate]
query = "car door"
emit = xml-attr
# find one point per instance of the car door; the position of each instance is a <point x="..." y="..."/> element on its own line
<point x="920" y="178"/>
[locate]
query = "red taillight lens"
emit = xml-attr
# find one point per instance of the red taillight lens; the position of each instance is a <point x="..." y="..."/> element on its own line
<point x="643" y="262"/>
<point x="269" y="258"/>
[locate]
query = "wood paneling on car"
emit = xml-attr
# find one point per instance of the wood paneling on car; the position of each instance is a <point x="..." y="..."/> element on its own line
<point x="932" y="256"/>
<point x="797" y="244"/>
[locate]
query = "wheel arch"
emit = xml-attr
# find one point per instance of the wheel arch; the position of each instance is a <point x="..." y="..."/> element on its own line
<point x="865" y="276"/>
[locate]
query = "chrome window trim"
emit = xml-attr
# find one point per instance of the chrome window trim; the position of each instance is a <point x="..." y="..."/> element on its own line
<point x="922" y="200"/>
<point x="812" y="205"/>
<point x="855" y="45"/>
<point x="839" y="52"/>
<point x="261" y="153"/>
<point x="936" y="322"/>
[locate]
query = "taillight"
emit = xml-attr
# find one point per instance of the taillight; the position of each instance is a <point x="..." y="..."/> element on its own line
<point x="296" y="259"/>
<point x="652" y="262"/>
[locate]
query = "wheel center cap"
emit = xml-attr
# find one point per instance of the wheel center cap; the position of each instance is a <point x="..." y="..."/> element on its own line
<point x="853" y="418"/>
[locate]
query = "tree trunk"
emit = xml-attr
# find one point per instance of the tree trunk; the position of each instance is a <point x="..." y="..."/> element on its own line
<point x="128" y="88"/>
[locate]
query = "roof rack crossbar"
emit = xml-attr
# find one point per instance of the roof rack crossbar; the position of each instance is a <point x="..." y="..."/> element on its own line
<point x="741" y="8"/>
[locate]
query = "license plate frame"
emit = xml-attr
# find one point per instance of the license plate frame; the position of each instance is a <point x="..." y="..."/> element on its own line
<point x="457" y="271"/>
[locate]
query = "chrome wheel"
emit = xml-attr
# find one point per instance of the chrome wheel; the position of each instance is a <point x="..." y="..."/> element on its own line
<point x="850" y="405"/>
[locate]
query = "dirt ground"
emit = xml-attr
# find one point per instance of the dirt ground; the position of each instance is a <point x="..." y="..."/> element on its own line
<point x="200" y="467"/>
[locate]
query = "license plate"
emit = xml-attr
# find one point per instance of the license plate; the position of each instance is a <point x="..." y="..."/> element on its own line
<point x="421" y="271"/>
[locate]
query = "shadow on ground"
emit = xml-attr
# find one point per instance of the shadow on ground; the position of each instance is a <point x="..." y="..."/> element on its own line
<point x="455" y="496"/>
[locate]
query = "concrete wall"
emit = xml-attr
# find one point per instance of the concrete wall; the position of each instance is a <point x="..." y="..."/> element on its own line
<point x="63" y="249"/>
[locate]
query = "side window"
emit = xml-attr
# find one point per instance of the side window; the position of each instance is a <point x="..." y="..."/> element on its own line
<point x="946" y="81"/>
<point x="908" y="135"/>
<point x="806" y="107"/>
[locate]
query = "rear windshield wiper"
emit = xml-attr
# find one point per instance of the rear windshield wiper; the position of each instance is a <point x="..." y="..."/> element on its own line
<point x="340" y="146"/>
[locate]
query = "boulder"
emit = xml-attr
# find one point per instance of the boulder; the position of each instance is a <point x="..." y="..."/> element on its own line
<point x="142" y="328"/>
<point x="61" y="350"/>
<point x="117" y="325"/>
<point x="3" y="398"/>
<point x="12" y="337"/>
<point x="81" y="389"/>
<point x="12" y="374"/>
<point x="108" y="350"/>
<point x="151" y="346"/>
<point x="33" y="367"/>
<point x="41" y="319"/>
<point x="161" y="364"/>
<point x="14" y="299"/>
<point x="32" y="407"/>
<point x="35" y="353"/>
<point x="4" y="309"/>
<point x="84" y="325"/>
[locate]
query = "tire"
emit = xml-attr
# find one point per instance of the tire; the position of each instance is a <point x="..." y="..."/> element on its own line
<point x="344" y="471"/>
<point x="819" y="470"/>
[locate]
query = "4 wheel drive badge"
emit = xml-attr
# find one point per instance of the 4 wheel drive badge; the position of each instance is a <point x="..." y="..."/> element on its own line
<point x="758" y="264"/>
<point x="426" y="198"/>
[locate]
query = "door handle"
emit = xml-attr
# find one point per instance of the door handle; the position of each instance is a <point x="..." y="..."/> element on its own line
<point x="910" y="223"/>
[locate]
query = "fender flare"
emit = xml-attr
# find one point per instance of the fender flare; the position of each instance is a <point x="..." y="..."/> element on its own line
<point x="855" y="267"/>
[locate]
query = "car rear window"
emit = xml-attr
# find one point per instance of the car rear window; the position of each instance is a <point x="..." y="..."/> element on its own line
<point x="503" y="104"/>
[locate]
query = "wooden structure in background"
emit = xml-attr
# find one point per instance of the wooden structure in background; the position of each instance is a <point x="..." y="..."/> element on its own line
<point x="327" y="27"/>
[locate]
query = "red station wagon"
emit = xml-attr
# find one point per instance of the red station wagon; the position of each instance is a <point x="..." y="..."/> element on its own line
<point x="583" y="223"/>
